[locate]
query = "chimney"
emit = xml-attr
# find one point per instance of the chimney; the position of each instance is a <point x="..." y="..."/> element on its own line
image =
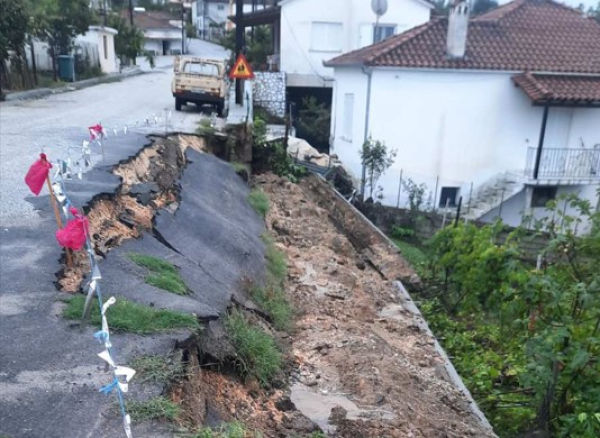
<point x="458" y="23"/>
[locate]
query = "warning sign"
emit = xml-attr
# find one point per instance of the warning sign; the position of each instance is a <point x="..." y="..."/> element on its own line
<point x="241" y="69"/>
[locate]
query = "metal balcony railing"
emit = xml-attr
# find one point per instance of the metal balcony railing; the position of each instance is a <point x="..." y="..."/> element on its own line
<point x="562" y="164"/>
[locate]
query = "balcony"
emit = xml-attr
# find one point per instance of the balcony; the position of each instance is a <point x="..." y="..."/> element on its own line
<point x="577" y="165"/>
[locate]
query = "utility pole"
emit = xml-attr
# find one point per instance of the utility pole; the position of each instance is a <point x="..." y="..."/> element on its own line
<point x="131" y="13"/>
<point x="239" y="46"/>
<point x="182" y="27"/>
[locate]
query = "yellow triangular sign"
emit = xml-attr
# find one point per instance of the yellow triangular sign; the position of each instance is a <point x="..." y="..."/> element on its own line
<point x="241" y="69"/>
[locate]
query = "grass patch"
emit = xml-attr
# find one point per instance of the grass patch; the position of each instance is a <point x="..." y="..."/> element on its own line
<point x="229" y="430"/>
<point x="414" y="255"/>
<point x="157" y="408"/>
<point x="258" y="353"/>
<point x="259" y="202"/>
<point x="272" y="298"/>
<point x="156" y="369"/>
<point x="276" y="263"/>
<point x="131" y="317"/>
<point x="164" y="275"/>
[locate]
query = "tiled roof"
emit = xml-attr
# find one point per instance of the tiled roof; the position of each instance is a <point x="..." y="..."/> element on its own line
<point x="560" y="89"/>
<point x="151" y="19"/>
<point x="524" y="35"/>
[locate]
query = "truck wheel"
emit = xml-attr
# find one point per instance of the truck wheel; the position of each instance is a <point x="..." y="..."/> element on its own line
<point x="178" y="104"/>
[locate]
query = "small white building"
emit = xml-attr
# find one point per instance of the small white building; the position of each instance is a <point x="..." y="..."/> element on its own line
<point x="162" y="31"/>
<point x="502" y="109"/>
<point x="104" y="39"/>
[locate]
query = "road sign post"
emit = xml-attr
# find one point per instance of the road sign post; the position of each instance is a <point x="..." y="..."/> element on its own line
<point x="241" y="70"/>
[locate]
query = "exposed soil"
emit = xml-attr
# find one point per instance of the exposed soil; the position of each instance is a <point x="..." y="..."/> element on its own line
<point x="149" y="183"/>
<point x="352" y="337"/>
<point x="353" y="343"/>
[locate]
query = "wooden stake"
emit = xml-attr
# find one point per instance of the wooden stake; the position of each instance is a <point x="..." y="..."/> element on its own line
<point x="58" y="219"/>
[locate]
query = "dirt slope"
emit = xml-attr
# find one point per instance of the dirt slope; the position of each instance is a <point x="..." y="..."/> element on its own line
<point x="352" y="336"/>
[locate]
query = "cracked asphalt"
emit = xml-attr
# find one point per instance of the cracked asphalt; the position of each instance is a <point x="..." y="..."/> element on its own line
<point x="49" y="372"/>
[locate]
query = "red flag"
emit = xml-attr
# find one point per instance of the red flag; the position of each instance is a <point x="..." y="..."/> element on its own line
<point x="96" y="131"/>
<point x="73" y="235"/>
<point x="37" y="174"/>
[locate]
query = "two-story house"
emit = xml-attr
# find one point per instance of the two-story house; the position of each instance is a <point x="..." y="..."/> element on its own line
<point x="502" y="109"/>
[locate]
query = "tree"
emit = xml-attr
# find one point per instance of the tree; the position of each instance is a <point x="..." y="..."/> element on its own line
<point x="258" y="45"/>
<point x="129" y="42"/>
<point x="376" y="159"/>
<point x="594" y="12"/>
<point x="58" y="22"/>
<point x="13" y="31"/>
<point x="313" y="122"/>
<point x="482" y="6"/>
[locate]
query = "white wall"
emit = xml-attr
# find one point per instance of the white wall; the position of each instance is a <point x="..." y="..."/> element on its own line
<point x="514" y="209"/>
<point x="95" y="35"/>
<point x="299" y="56"/>
<point x="461" y="127"/>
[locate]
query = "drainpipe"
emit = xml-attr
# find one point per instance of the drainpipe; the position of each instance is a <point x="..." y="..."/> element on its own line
<point x="369" y="72"/>
<point x="538" y="153"/>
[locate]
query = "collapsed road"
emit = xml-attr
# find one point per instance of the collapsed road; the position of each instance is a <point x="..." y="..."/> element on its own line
<point x="357" y="363"/>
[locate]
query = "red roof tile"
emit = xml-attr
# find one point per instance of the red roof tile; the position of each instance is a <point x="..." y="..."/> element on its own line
<point x="560" y="89"/>
<point x="524" y="35"/>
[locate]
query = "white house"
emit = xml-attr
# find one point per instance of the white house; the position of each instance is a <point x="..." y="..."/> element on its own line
<point x="162" y="31"/>
<point x="312" y="31"/>
<point x="211" y="17"/>
<point x="502" y="109"/>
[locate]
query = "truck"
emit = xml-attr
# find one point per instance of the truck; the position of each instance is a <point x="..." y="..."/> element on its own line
<point x="200" y="81"/>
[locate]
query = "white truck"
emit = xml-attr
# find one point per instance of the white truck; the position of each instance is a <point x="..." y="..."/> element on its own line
<point x="200" y="81"/>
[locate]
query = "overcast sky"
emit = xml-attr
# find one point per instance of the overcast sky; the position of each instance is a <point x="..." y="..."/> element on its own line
<point x="572" y="3"/>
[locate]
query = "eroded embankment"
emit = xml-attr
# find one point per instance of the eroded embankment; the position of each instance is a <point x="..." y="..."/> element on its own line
<point x="352" y="336"/>
<point x="355" y="362"/>
<point x="149" y="184"/>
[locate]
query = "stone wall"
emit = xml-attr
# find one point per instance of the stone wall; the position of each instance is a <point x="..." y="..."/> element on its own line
<point x="269" y="92"/>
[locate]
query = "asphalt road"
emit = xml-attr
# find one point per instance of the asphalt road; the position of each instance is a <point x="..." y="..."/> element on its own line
<point x="60" y="121"/>
<point x="49" y="371"/>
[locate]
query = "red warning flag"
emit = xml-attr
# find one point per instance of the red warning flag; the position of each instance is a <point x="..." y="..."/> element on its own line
<point x="96" y="131"/>
<point x="37" y="174"/>
<point x="73" y="235"/>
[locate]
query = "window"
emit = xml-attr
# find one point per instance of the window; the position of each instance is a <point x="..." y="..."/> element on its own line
<point x="197" y="68"/>
<point x="542" y="194"/>
<point x="449" y="194"/>
<point x="348" y="116"/>
<point x="383" y="31"/>
<point x="105" y="45"/>
<point x="221" y="7"/>
<point x="326" y="37"/>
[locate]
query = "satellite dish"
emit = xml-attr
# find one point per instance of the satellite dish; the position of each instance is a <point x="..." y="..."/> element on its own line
<point x="379" y="7"/>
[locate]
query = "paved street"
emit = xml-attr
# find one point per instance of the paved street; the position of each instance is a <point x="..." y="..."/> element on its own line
<point x="49" y="371"/>
<point x="60" y="121"/>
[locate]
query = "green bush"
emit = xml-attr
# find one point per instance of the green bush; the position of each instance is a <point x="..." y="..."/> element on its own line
<point x="258" y="354"/>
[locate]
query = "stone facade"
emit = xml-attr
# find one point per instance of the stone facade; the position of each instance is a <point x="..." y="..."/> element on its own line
<point x="269" y="92"/>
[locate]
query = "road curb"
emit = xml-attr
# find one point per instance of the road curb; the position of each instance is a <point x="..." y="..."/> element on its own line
<point x="39" y="93"/>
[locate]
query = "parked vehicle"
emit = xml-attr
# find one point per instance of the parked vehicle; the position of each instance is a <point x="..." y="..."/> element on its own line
<point x="200" y="81"/>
